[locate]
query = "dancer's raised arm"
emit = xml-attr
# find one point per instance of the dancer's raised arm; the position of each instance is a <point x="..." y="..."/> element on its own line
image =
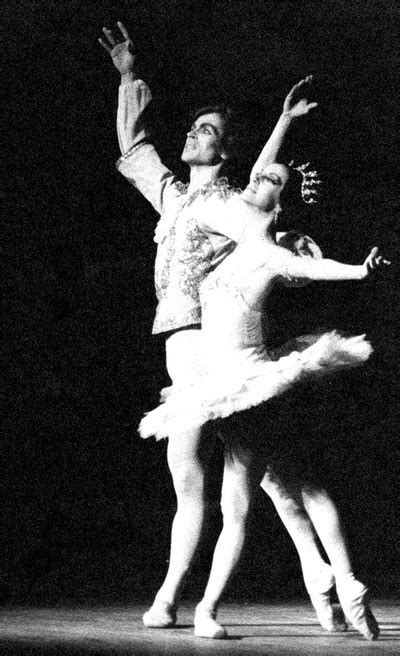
<point x="134" y="94"/>
<point x="295" y="105"/>
<point x="140" y="162"/>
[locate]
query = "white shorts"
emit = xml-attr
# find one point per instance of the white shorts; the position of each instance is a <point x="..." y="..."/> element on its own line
<point x="184" y="356"/>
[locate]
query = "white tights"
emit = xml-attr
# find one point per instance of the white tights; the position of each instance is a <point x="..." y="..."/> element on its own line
<point x="187" y="463"/>
<point x="299" y="509"/>
<point x="188" y="455"/>
<point x="242" y="475"/>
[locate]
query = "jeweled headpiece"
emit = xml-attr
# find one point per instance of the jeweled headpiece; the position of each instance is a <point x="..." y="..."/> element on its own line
<point x="309" y="183"/>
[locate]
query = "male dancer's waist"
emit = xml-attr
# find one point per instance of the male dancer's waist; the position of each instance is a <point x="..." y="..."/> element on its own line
<point x="176" y="316"/>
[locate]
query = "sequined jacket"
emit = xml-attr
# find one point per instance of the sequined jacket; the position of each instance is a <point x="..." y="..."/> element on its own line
<point x="196" y="229"/>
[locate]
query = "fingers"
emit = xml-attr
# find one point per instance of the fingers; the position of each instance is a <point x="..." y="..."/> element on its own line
<point x="375" y="260"/>
<point x="380" y="261"/>
<point x="291" y="92"/>
<point x="124" y="31"/>
<point x="105" y="45"/>
<point x="306" y="80"/>
<point x="109" y="36"/>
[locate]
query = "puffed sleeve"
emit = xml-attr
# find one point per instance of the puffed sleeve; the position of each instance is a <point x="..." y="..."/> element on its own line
<point x="140" y="163"/>
<point x="133" y="98"/>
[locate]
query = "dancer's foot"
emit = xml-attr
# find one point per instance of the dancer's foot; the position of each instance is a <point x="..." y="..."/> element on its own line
<point x="205" y="625"/>
<point x="353" y="597"/>
<point x="319" y="588"/>
<point x="162" y="615"/>
<point x="330" y="618"/>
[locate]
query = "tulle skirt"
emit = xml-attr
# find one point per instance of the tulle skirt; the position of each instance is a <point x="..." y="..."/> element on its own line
<point x="220" y="395"/>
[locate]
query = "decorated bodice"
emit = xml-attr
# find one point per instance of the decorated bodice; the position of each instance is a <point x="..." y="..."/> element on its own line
<point x="233" y="327"/>
<point x="232" y="330"/>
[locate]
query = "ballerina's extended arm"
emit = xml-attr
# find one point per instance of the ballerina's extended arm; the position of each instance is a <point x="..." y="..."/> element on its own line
<point x="292" y="109"/>
<point x="325" y="269"/>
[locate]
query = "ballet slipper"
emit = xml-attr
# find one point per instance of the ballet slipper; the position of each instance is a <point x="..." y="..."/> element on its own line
<point x="205" y="625"/>
<point x="353" y="596"/>
<point x="319" y="589"/>
<point x="162" y="615"/>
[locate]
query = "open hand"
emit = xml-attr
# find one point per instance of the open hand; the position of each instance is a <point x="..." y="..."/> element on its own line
<point x="374" y="262"/>
<point x="122" y="53"/>
<point x="293" y="108"/>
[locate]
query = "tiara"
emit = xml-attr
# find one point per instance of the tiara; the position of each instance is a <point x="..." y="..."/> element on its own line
<point x="309" y="180"/>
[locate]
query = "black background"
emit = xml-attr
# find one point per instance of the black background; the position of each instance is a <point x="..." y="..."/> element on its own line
<point x="88" y="505"/>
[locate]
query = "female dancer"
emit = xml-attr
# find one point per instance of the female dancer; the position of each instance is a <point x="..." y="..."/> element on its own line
<point x="241" y="375"/>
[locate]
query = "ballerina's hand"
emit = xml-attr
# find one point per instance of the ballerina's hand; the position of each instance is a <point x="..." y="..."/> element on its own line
<point x="374" y="262"/>
<point x="121" y="53"/>
<point x="294" y="108"/>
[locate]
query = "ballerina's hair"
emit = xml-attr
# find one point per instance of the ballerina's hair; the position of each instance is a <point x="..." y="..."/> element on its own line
<point x="309" y="182"/>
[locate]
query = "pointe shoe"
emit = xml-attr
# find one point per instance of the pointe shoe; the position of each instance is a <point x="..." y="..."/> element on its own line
<point x="319" y="589"/>
<point x="162" y="615"/>
<point x="205" y="625"/>
<point x="353" y="596"/>
<point x="330" y="618"/>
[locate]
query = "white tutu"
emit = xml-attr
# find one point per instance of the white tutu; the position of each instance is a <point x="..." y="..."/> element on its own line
<point x="218" y="396"/>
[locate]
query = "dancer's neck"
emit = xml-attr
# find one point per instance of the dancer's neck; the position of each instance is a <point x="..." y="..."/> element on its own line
<point x="201" y="175"/>
<point x="261" y="222"/>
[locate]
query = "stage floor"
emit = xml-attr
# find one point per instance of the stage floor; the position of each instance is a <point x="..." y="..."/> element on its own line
<point x="270" y="628"/>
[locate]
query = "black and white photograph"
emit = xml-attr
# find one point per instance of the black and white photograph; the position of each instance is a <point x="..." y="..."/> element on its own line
<point x="201" y="239"/>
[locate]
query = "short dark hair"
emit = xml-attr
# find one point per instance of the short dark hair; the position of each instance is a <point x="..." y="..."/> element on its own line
<point x="229" y="137"/>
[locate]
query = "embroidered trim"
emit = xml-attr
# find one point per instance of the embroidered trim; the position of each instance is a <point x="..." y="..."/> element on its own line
<point x="128" y="153"/>
<point x="181" y="187"/>
<point x="220" y="186"/>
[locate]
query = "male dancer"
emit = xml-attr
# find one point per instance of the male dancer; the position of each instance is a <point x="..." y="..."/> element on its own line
<point x="196" y="231"/>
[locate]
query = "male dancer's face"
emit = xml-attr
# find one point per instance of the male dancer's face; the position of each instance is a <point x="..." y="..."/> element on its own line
<point x="204" y="141"/>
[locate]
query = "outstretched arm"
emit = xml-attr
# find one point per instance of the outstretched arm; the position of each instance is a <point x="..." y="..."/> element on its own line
<point x="139" y="163"/>
<point x="324" y="269"/>
<point x="134" y="95"/>
<point x="293" y="107"/>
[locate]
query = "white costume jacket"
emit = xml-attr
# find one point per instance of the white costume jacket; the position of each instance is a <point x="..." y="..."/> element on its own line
<point x="197" y="228"/>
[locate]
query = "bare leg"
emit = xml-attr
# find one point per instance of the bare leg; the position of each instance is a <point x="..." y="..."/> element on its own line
<point x="241" y="478"/>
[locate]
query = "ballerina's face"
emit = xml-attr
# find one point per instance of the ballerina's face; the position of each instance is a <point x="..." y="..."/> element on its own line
<point x="265" y="187"/>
